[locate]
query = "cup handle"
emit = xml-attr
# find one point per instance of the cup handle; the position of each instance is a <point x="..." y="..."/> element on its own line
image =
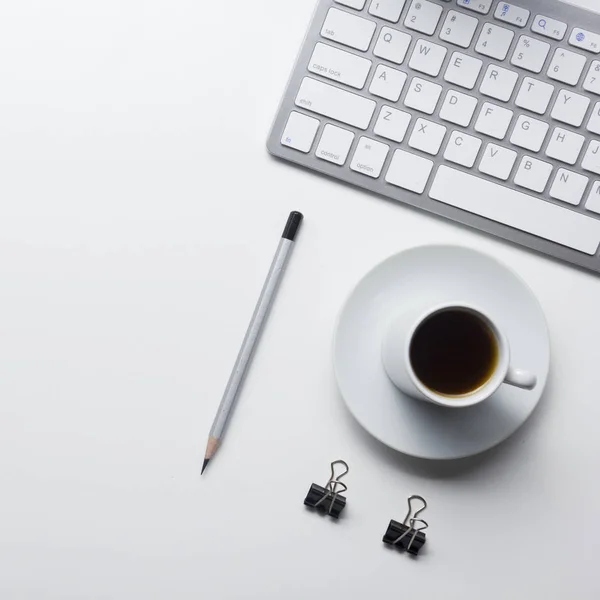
<point x="521" y="378"/>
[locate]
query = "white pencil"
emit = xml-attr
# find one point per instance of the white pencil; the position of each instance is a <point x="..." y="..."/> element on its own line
<point x="261" y="312"/>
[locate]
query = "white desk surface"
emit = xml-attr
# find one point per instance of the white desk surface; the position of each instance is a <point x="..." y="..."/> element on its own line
<point x="139" y="212"/>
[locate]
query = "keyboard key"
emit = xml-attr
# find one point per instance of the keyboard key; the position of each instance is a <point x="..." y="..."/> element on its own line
<point x="586" y="40"/>
<point x="568" y="186"/>
<point x="548" y="27"/>
<point x="334" y="144"/>
<point x="300" y="132"/>
<point x="423" y="16"/>
<point x="493" y="120"/>
<point x="409" y="171"/>
<point x="593" y="199"/>
<point x="389" y="10"/>
<point x="566" y="66"/>
<point x="591" y="160"/>
<point x="516" y="209"/>
<point x="462" y="149"/>
<point x="458" y="108"/>
<point x="340" y="66"/>
<point x="392" y="124"/>
<point x="510" y="13"/>
<point x="529" y="133"/>
<point x="570" y="108"/>
<point x="565" y="146"/>
<point x="533" y="174"/>
<point x="497" y="161"/>
<point x="463" y="70"/>
<point x="494" y="41"/>
<point x="498" y="83"/>
<point x="423" y="95"/>
<point x="594" y="122"/>
<point x="592" y="80"/>
<point x="357" y="4"/>
<point x="369" y="157"/>
<point x="427" y="58"/>
<point x="534" y="95"/>
<point x="458" y="29"/>
<point x="348" y="30"/>
<point x="337" y="104"/>
<point x="392" y="45"/>
<point x="427" y="136"/>
<point x="388" y="83"/>
<point x="480" y="6"/>
<point x="530" y="54"/>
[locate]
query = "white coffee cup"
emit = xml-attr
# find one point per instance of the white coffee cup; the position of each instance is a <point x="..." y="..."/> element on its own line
<point x="396" y="358"/>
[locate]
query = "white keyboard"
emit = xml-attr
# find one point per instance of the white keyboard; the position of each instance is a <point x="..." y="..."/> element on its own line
<point x="485" y="112"/>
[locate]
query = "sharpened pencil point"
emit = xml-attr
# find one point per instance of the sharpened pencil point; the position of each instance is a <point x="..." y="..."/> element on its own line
<point x="206" y="461"/>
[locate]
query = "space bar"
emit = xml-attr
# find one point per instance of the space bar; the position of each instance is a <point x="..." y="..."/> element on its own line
<point x="515" y="209"/>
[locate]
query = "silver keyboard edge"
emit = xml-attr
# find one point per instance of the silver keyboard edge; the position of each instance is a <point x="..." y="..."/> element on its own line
<point x="574" y="16"/>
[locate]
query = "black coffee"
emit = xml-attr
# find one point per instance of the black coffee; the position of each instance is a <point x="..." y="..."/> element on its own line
<point x="454" y="352"/>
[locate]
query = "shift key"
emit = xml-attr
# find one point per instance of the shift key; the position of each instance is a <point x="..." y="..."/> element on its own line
<point x="332" y="102"/>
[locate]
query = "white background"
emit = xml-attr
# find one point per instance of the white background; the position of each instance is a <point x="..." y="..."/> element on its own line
<point x="139" y="212"/>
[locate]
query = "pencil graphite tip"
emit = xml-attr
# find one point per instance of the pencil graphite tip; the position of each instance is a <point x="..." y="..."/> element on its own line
<point x="206" y="461"/>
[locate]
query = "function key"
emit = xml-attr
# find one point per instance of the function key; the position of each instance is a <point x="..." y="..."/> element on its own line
<point x="300" y="132"/>
<point x="479" y="6"/>
<point x="549" y="27"/>
<point x="586" y="40"/>
<point x="510" y="13"/>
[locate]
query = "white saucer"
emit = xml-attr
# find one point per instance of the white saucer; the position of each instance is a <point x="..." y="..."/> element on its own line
<point x="444" y="274"/>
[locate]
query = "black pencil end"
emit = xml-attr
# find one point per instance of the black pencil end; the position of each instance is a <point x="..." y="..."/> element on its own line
<point x="206" y="461"/>
<point x="292" y="225"/>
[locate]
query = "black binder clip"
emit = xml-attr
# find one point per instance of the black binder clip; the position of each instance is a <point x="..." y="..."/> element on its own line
<point x="327" y="499"/>
<point x="405" y="535"/>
